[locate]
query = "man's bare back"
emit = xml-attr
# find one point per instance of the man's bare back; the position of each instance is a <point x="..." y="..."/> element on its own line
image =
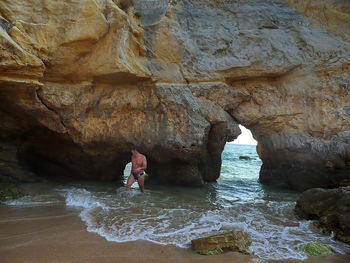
<point x="138" y="167"/>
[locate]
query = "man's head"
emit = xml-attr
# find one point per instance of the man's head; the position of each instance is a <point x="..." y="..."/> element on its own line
<point x="135" y="149"/>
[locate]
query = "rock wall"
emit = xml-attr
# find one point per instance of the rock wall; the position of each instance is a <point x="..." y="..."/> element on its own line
<point x="330" y="207"/>
<point x="83" y="80"/>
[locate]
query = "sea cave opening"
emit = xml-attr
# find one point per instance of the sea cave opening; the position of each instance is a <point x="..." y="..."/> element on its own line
<point x="126" y="173"/>
<point x="240" y="160"/>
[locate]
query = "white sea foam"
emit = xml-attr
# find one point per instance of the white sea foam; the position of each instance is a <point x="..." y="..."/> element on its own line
<point x="39" y="200"/>
<point x="82" y="198"/>
<point x="134" y="216"/>
<point x="173" y="215"/>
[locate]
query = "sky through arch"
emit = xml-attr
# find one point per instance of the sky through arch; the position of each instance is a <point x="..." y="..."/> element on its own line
<point x="245" y="138"/>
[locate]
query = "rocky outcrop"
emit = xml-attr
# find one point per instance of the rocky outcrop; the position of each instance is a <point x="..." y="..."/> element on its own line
<point x="215" y="244"/>
<point x="331" y="207"/>
<point x="82" y="81"/>
<point x="9" y="191"/>
<point x="11" y="171"/>
<point x="315" y="249"/>
<point x="246" y="158"/>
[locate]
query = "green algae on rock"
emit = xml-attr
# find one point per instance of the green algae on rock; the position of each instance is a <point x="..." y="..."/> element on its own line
<point x="330" y="207"/>
<point x="9" y="192"/>
<point x="315" y="249"/>
<point x="215" y="244"/>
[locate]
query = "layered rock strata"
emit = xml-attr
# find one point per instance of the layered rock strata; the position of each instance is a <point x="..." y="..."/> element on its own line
<point x="82" y="81"/>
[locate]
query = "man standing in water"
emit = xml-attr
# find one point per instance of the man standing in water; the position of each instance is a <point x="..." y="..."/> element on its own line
<point x="138" y="167"/>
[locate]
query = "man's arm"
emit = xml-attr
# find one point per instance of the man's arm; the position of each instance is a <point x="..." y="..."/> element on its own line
<point x="144" y="164"/>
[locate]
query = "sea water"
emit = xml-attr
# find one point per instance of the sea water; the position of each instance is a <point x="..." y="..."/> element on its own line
<point x="176" y="215"/>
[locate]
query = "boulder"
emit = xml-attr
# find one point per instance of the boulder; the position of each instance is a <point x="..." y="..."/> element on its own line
<point x="11" y="171"/>
<point x="9" y="191"/>
<point x="315" y="249"/>
<point x="246" y="158"/>
<point x="330" y="207"/>
<point x="216" y="244"/>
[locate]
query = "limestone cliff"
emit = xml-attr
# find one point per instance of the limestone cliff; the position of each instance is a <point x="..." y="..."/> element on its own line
<point x="83" y="80"/>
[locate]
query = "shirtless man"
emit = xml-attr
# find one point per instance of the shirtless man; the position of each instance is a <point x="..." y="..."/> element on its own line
<point x="138" y="167"/>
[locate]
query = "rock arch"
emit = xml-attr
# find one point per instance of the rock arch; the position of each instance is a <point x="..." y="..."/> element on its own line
<point x="178" y="89"/>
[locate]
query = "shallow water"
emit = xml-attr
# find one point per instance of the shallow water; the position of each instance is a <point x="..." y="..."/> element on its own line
<point x="175" y="215"/>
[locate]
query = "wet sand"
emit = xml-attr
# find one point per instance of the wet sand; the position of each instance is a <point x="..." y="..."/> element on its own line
<point x="56" y="234"/>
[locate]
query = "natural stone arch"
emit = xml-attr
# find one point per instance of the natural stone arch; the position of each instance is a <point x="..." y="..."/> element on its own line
<point x="106" y="83"/>
<point x="182" y="136"/>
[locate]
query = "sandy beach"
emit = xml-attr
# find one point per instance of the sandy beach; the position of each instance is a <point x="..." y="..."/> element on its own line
<point x="56" y="234"/>
<point x="227" y="116"/>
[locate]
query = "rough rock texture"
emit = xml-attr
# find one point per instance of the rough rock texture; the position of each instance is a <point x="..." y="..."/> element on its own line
<point x="331" y="207"/>
<point x="83" y="80"/>
<point x="315" y="249"/>
<point x="212" y="245"/>
<point x="11" y="171"/>
<point x="9" y="192"/>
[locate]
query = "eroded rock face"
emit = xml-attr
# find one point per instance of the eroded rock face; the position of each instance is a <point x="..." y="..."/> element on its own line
<point x="81" y="82"/>
<point x="215" y="244"/>
<point x="331" y="207"/>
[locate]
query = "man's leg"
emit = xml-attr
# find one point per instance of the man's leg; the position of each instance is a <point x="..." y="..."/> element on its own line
<point x="141" y="182"/>
<point x="131" y="180"/>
